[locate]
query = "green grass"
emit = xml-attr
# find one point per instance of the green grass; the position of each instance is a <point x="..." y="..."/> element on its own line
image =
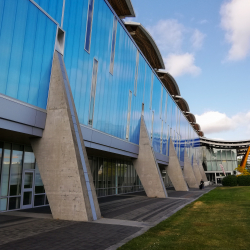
<point x="218" y="220"/>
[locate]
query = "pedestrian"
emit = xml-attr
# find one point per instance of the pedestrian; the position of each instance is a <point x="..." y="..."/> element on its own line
<point x="202" y="184"/>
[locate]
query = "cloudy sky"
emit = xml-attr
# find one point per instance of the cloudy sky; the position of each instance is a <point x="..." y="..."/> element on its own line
<point x="206" y="47"/>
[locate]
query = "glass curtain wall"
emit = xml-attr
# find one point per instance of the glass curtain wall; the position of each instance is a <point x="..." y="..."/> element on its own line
<point x="213" y="157"/>
<point x="15" y="159"/>
<point x="114" y="176"/>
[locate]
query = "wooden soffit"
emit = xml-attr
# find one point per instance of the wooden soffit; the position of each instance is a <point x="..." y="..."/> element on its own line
<point x="169" y="82"/>
<point x="123" y="8"/>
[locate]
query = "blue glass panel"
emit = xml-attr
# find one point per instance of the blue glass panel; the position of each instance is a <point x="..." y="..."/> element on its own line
<point x="52" y="7"/>
<point x="27" y="38"/>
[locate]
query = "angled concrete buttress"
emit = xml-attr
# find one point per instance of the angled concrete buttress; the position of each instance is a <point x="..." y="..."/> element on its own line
<point x="197" y="172"/>
<point x="147" y="167"/>
<point x="189" y="173"/>
<point x="203" y="175"/>
<point x="174" y="170"/>
<point x="61" y="154"/>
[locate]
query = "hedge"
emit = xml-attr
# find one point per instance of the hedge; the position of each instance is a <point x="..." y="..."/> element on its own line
<point x="230" y="180"/>
<point x="243" y="180"/>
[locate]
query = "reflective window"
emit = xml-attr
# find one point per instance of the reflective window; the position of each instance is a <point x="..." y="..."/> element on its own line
<point x="129" y="114"/>
<point x="39" y="187"/>
<point x="161" y="135"/>
<point x="112" y="58"/>
<point x="161" y="102"/>
<point x="89" y="25"/>
<point x="152" y="125"/>
<point x="92" y="93"/>
<point x="16" y="170"/>
<point x="136" y="72"/>
<point x="5" y="170"/>
<point x="151" y="90"/>
<point x="29" y="158"/>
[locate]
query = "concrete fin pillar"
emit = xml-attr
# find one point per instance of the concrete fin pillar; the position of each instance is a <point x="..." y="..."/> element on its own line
<point x="61" y="154"/>
<point x="189" y="173"/>
<point x="197" y="172"/>
<point x="147" y="167"/>
<point x="174" y="170"/>
<point x="203" y="175"/>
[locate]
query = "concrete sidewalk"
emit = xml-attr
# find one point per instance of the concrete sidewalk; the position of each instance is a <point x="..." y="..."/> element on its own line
<point x="124" y="217"/>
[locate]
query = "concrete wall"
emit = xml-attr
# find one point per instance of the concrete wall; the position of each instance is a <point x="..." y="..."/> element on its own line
<point x="61" y="154"/>
<point x="189" y="173"/>
<point x="203" y="175"/>
<point x="174" y="170"/>
<point x="197" y="172"/>
<point x="147" y="167"/>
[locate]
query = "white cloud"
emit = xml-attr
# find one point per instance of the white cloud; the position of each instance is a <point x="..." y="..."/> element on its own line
<point x="213" y="122"/>
<point x="168" y="35"/>
<point x="180" y="64"/>
<point x="204" y="21"/>
<point x="197" y="39"/>
<point x="235" y="20"/>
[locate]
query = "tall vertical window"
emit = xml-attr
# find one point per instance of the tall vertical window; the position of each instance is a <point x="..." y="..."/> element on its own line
<point x="152" y="125"/>
<point x="92" y="93"/>
<point x="129" y="114"/>
<point x="161" y="135"/>
<point x="89" y="25"/>
<point x="166" y="110"/>
<point x="161" y="101"/>
<point x="112" y="58"/>
<point x="151" y="90"/>
<point x="136" y="72"/>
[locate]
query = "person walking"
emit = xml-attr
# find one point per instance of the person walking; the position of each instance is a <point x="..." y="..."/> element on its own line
<point x="202" y="184"/>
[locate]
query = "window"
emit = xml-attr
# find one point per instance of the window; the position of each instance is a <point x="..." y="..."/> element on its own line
<point x="166" y="111"/>
<point x="152" y="125"/>
<point x="92" y="93"/>
<point x="89" y="25"/>
<point x="161" y="101"/>
<point x="161" y="135"/>
<point x="151" y="90"/>
<point x="112" y="58"/>
<point x="129" y="114"/>
<point x="136" y="72"/>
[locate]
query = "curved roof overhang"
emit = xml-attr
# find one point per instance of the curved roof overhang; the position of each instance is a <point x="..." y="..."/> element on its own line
<point x="190" y="117"/>
<point x="240" y="146"/>
<point x="181" y="102"/>
<point x="201" y="134"/>
<point x="146" y="44"/>
<point x="196" y="126"/>
<point x="123" y="8"/>
<point x="169" y="82"/>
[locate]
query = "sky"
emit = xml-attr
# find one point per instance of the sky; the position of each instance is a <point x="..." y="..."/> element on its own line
<point x="205" y="45"/>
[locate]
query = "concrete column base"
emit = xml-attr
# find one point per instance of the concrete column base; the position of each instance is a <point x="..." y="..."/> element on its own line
<point x="197" y="172"/>
<point x="61" y="154"/>
<point x="147" y="167"/>
<point x="174" y="170"/>
<point x="189" y="173"/>
<point x="203" y="175"/>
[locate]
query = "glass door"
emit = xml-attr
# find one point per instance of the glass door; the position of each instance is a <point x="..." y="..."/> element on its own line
<point x="27" y="189"/>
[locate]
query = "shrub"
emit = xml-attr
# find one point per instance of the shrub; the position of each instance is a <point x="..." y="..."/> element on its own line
<point x="230" y="180"/>
<point x="243" y="180"/>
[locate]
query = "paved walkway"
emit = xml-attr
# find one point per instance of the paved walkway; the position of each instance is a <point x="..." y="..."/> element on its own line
<point x="124" y="217"/>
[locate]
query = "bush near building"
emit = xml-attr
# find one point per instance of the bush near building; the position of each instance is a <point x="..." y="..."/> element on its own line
<point x="229" y="181"/>
<point x="243" y="180"/>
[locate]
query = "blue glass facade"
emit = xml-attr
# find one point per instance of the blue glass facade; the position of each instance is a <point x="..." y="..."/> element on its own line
<point x="27" y="38"/>
<point x="112" y="91"/>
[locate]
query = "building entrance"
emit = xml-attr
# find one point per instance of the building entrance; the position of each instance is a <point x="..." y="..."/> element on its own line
<point x="27" y="189"/>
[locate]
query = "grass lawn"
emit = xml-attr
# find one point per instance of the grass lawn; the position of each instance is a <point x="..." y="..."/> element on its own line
<point x="218" y="220"/>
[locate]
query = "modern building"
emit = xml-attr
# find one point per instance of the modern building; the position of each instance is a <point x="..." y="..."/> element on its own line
<point x="88" y="110"/>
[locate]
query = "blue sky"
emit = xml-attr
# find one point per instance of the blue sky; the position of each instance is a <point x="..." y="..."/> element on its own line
<point x="206" y="47"/>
